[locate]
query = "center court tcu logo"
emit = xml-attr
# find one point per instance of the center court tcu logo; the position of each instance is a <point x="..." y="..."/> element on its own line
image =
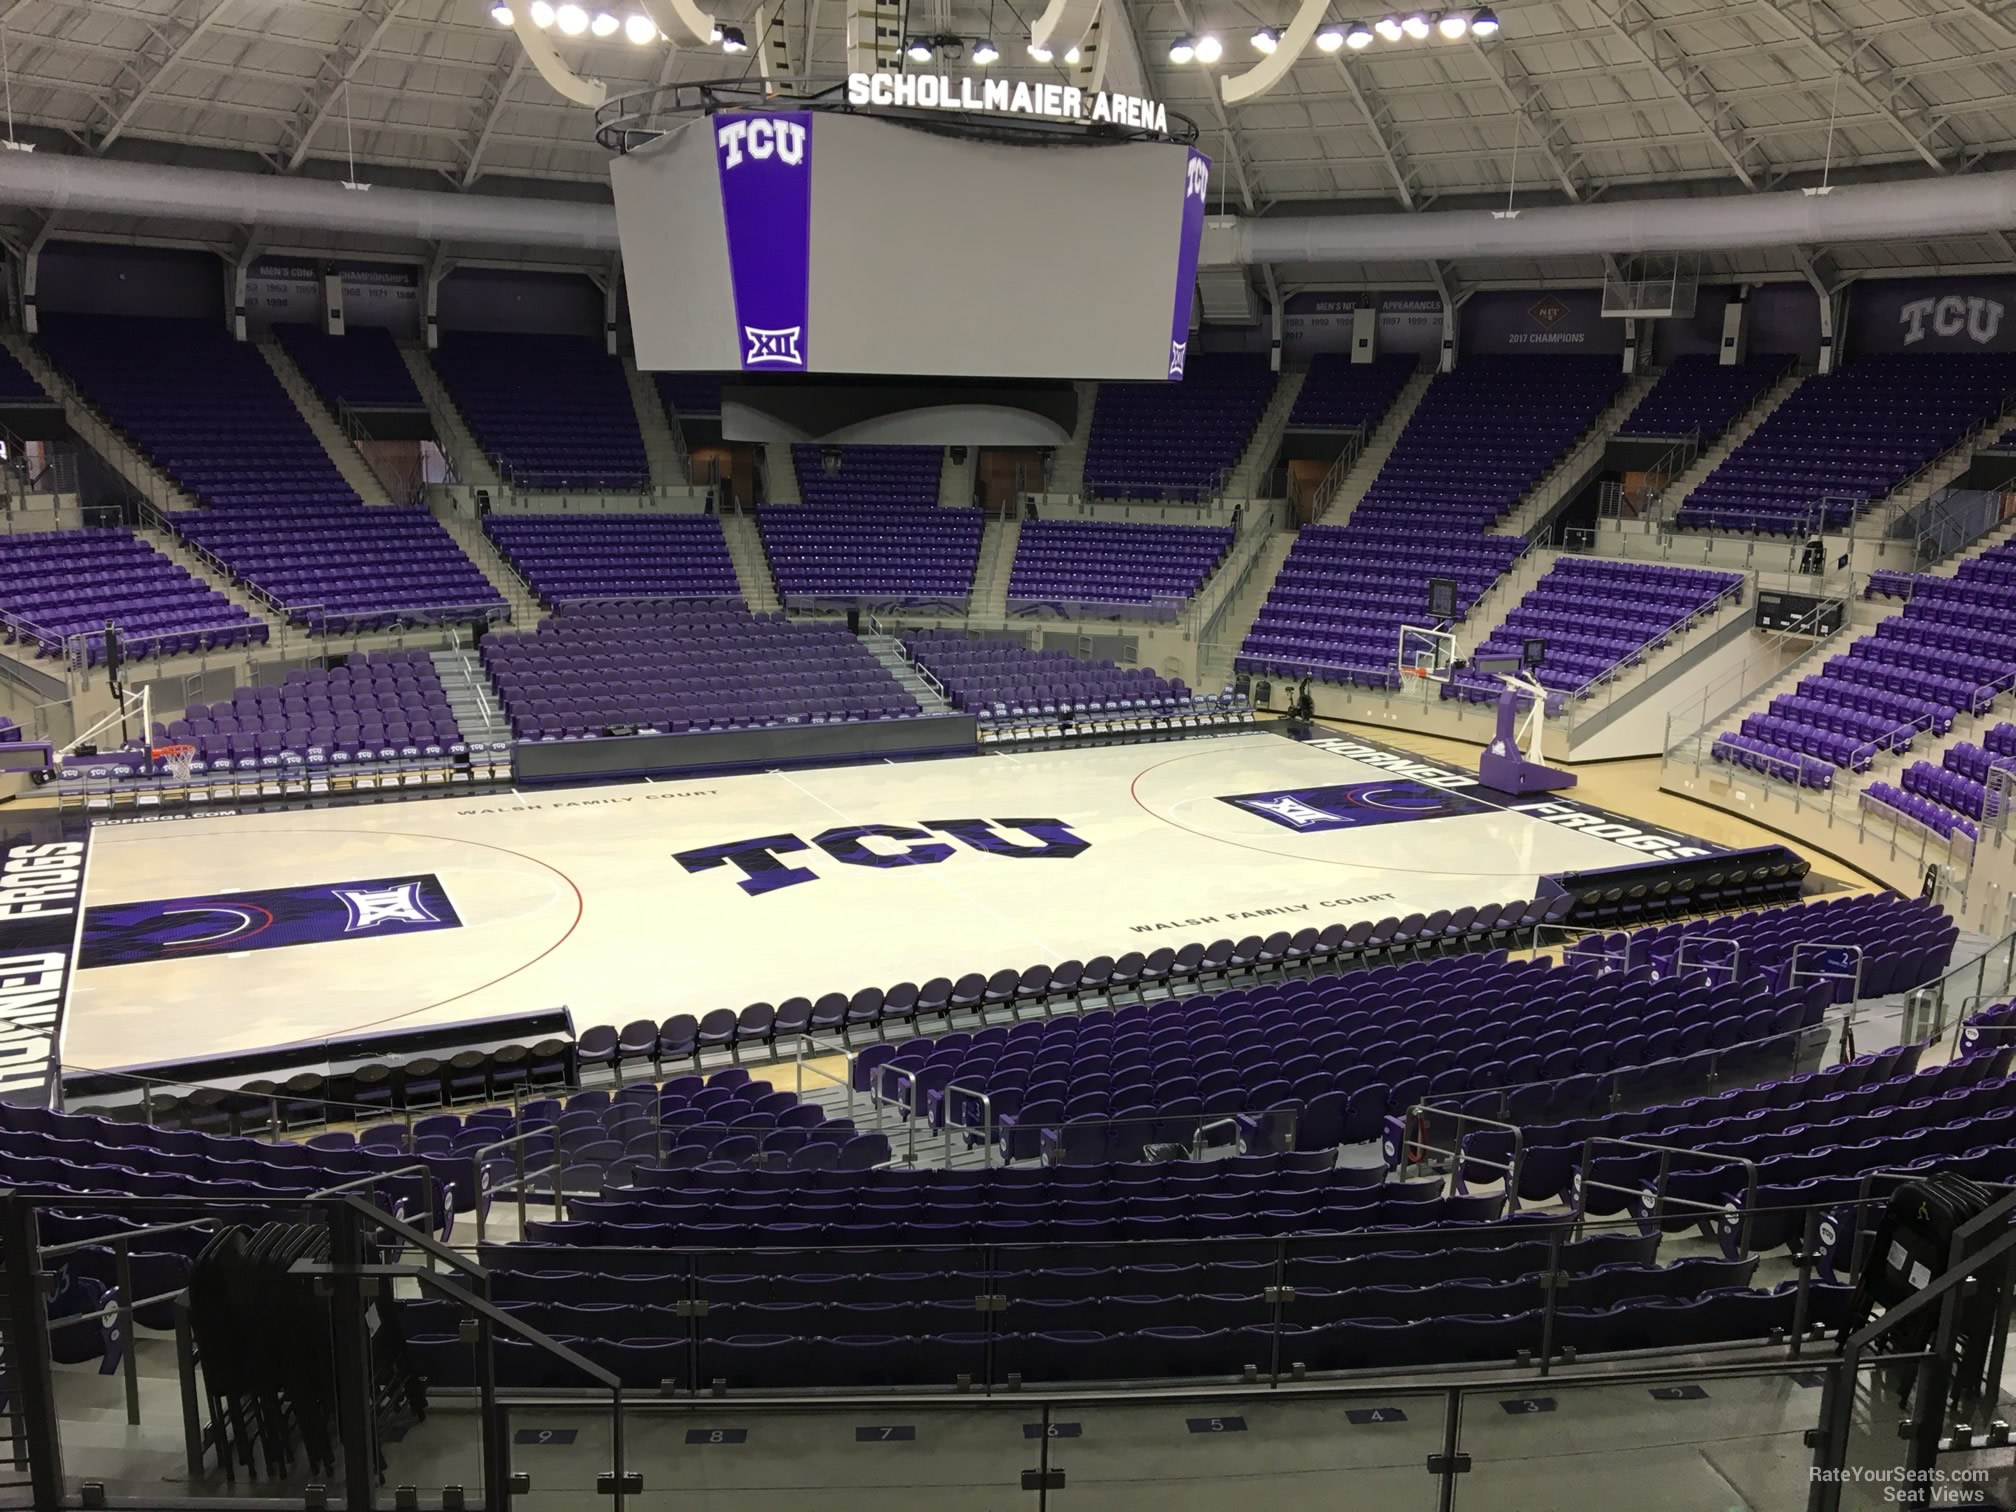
<point x="761" y="139"/>
<point x="371" y="907"/>
<point x="903" y="845"/>
<point x="1177" y="349"/>
<point x="772" y="346"/>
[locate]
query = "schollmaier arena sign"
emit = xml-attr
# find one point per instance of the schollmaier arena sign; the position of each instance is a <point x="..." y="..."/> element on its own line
<point x="1052" y="102"/>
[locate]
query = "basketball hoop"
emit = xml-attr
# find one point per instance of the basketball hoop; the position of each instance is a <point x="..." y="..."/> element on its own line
<point x="177" y="758"/>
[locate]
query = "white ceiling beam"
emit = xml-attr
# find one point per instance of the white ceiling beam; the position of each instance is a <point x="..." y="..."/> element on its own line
<point x="503" y="79"/>
<point x="1636" y="27"/>
<point x="1240" y="174"/>
<point x="1557" y="148"/>
<point x="179" y="38"/>
<point x="339" y="68"/>
<point x="1383" y="129"/>
<point x="1863" y="69"/>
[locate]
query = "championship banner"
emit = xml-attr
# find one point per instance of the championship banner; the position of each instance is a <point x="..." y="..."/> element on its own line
<point x="1196" y="177"/>
<point x="765" y="160"/>
<point x="41" y="888"/>
<point x="126" y="934"/>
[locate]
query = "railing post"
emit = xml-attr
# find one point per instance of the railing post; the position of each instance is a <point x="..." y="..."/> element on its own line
<point x="32" y="1385"/>
<point x="355" y="1419"/>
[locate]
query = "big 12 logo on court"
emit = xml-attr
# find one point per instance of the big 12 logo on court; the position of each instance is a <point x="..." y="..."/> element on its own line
<point x="762" y="872"/>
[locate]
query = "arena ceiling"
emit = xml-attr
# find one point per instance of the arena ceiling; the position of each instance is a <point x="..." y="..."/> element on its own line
<point x="1573" y="101"/>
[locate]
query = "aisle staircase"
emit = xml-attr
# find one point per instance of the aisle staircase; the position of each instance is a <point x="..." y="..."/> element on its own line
<point x="1378" y="447"/>
<point x="1067" y="462"/>
<point x="664" y="446"/>
<point x="1573" y="470"/>
<point x="457" y="441"/>
<point x="998" y="543"/>
<point x="341" y="449"/>
<point x="781" y="474"/>
<point x="1717" y="452"/>
<point x="888" y="651"/>
<point x="1251" y="469"/>
<point x="472" y="697"/>
<point x="752" y="566"/>
<point x="96" y="432"/>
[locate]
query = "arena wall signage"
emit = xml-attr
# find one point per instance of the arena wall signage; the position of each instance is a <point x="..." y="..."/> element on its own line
<point x="898" y="845"/>
<point x="1924" y="315"/>
<point x="41" y="891"/>
<point x="1050" y="102"/>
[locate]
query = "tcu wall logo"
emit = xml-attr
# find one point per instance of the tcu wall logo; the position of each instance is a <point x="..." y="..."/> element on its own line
<point x="772" y="346"/>
<point x="1196" y="177"/>
<point x="371" y="906"/>
<point x="761" y="139"/>
<point x="901" y="845"/>
<point x="1949" y="315"/>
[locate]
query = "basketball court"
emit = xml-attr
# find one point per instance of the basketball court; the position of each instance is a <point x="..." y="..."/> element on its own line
<point x="644" y="900"/>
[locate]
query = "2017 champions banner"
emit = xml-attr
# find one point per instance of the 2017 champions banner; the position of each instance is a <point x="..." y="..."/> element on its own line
<point x="765" y="160"/>
<point x="1196" y="179"/>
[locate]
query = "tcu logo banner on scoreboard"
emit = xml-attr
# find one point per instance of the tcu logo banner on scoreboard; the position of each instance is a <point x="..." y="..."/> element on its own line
<point x="1196" y="179"/>
<point x="765" y="159"/>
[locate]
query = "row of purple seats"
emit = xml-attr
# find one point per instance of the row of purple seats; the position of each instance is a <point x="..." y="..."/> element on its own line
<point x="1000" y="680"/>
<point x="1064" y="564"/>
<point x="1929" y="813"/>
<point x="568" y="558"/>
<point x="1339" y="394"/>
<point x="1700" y="396"/>
<point x="358" y="568"/>
<point x="554" y="411"/>
<point x="1847" y="438"/>
<point x="58" y="585"/>
<point x="828" y="555"/>
<point x="1764" y="942"/>
<point x="1599" y="617"/>
<point x="1553" y="1150"/>
<point x="878" y="475"/>
<point x="683" y="666"/>
<point x="1180" y="440"/>
<point x="375" y="699"/>
<point x="1481" y="438"/>
<point x="361" y="368"/>
<point x="204" y="408"/>
<point x="689" y="393"/>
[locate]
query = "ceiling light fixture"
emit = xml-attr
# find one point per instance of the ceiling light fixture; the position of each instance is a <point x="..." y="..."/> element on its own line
<point x="604" y="24"/>
<point x="501" y="14"/>
<point x="985" y="52"/>
<point x="571" y="19"/>
<point x="1071" y="55"/>
<point x="1330" y="38"/>
<point x="1484" y="23"/>
<point x="1266" y="40"/>
<point x="919" y="50"/>
<point x="1040" y="53"/>
<point x="732" y="40"/>
<point x="1183" y="49"/>
<point x="1359" y="37"/>
<point x="1452" y="25"/>
<point x="641" y="29"/>
<point x="541" y="12"/>
<point x="1416" y="25"/>
<point x="1209" y="49"/>
<point x="1389" y="28"/>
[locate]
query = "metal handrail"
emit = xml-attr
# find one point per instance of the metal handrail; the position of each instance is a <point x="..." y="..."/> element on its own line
<point x="1584" y="1182"/>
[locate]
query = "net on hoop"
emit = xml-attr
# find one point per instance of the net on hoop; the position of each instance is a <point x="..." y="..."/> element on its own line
<point x="178" y="759"/>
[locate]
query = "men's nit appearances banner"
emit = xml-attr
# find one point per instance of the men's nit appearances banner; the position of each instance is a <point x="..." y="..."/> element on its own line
<point x="41" y="893"/>
<point x="766" y="206"/>
<point x="124" y="934"/>
<point x="1196" y="179"/>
